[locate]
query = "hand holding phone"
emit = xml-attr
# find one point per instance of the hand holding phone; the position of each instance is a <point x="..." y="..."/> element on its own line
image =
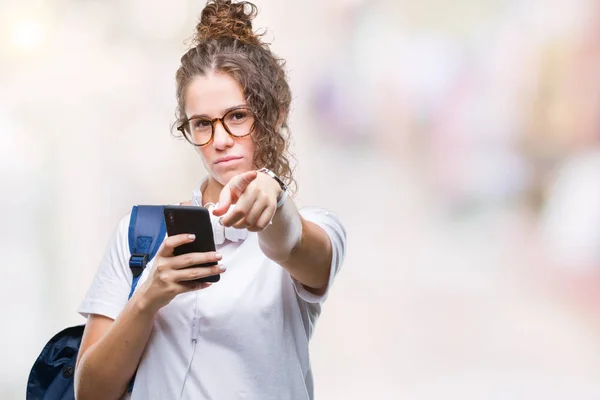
<point x="172" y="275"/>
<point x="192" y="220"/>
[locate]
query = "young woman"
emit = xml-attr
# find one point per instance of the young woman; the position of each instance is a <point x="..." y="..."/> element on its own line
<point x="252" y="328"/>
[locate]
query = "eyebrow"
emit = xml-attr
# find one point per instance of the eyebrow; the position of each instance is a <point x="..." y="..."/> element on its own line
<point x="205" y="116"/>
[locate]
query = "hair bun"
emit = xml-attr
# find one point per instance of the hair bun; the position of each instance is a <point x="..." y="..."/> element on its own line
<point x="225" y="19"/>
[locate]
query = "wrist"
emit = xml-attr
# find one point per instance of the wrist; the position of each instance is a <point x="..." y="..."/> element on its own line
<point x="143" y="305"/>
<point x="282" y="191"/>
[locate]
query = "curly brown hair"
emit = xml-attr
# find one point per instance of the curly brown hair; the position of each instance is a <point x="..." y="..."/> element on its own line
<point x="224" y="42"/>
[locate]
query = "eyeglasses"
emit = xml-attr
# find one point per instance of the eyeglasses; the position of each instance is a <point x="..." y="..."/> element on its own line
<point x="200" y="131"/>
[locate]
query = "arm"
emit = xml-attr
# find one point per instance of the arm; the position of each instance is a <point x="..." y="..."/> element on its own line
<point x="111" y="349"/>
<point x="301" y="247"/>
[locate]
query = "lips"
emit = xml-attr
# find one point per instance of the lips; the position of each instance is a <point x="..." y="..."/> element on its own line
<point x="226" y="159"/>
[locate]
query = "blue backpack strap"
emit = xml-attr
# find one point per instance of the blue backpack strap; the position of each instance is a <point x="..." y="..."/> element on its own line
<point x="146" y="232"/>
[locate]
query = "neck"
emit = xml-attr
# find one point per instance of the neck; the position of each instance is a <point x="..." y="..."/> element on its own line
<point x="212" y="191"/>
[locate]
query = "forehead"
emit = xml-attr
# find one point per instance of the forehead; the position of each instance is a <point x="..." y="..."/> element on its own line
<point x="212" y="93"/>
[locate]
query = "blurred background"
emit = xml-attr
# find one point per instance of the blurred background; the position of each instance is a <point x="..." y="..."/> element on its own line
<point x="459" y="142"/>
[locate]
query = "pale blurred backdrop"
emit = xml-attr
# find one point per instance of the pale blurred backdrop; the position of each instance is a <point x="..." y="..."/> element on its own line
<point x="457" y="140"/>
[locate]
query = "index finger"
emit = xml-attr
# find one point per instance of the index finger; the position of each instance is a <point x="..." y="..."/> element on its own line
<point x="233" y="190"/>
<point x="168" y="246"/>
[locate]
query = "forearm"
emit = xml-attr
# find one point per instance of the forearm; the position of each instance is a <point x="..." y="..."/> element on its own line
<point x="298" y="245"/>
<point x="106" y="368"/>
<point x="284" y="234"/>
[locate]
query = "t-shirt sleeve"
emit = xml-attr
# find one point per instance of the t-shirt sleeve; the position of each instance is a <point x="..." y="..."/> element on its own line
<point x="331" y="224"/>
<point x="110" y="288"/>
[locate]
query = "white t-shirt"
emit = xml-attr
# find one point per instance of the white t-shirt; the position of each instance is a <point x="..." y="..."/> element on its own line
<point x="255" y="323"/>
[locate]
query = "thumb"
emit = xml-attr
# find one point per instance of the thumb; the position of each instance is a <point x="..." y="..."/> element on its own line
<point x="239" y="183"/>
<point x="224" y="202"/>
<point x="232" y="191"/>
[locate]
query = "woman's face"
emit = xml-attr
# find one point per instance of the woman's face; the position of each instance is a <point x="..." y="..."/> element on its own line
<point x="211" y="96"/>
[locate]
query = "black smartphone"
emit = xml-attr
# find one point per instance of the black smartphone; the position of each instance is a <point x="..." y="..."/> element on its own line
<point x="196" y="220"/>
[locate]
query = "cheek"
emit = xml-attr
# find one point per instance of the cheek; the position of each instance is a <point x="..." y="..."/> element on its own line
<point x="203" y="151"/>
<point x="203" y="154"/>
<point x="249" y="148"/>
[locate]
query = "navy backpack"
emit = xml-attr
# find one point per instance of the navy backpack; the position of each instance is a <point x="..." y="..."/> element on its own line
<point x="51" y="377"/>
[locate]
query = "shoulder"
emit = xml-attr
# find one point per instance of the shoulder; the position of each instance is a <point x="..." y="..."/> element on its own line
<point x="122" y="228"/>
<point x="326" y="219"/>
<point x="313" y="213"/>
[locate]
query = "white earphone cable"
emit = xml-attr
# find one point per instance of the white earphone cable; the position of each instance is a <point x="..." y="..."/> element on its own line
<point x="195" y="334"/>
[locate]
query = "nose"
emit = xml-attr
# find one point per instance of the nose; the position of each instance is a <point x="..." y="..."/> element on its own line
<point x="221" y="139"/>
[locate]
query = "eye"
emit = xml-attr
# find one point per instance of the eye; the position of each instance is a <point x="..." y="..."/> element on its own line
<point x="238" y="116"/>
<point x="200" y="124"/>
